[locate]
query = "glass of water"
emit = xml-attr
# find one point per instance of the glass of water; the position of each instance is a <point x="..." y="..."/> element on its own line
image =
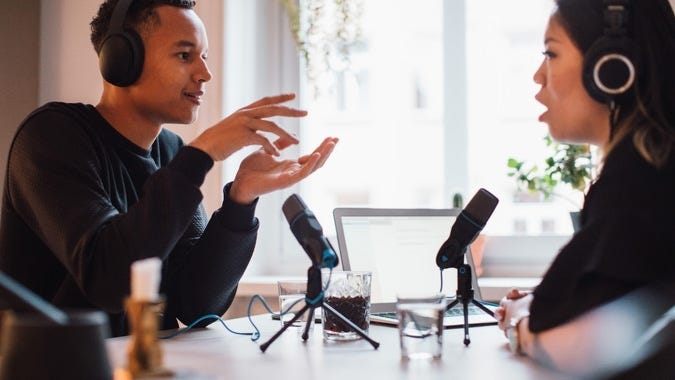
<point x="420" y="325"/>
<point x="292" y="292"/>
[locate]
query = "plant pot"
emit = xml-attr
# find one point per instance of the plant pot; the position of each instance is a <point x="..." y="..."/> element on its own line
<point x="576" y="220"/>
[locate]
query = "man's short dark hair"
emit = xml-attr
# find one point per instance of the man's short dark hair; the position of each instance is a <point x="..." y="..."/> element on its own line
<point x="141" y="14"/>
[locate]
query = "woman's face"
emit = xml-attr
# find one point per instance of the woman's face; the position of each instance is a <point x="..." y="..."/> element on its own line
<point x="572" y="115"/>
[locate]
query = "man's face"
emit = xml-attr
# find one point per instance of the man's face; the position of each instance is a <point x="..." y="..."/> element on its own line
<point x="171" y="85"/>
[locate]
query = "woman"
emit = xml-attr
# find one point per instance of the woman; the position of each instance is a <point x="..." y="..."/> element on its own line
<point x="616" y="275"/>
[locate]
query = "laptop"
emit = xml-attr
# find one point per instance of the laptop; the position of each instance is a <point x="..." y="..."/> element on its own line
<point x="399" y="247"/>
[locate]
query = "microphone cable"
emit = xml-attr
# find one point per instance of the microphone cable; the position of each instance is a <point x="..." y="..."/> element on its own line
<point x="312" y="302"/>
<point x="255" y="335"/>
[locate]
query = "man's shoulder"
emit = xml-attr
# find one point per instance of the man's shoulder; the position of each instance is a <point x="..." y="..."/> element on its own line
<point x="70" y="109"/>
<point x="57" y="127"/>
<point x="60" y="114"/>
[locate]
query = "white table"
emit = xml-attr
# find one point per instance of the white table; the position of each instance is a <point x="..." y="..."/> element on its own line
<point x="215" y="353"/>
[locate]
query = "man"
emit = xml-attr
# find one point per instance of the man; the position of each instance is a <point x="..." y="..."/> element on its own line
<point x="91" y="189"/>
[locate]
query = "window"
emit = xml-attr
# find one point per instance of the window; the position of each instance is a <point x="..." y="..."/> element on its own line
<point x="438" y="96"/>
<point x="387" y="109"/>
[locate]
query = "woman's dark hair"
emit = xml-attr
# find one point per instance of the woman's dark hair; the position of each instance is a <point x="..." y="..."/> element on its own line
<point x="140" y="16"/>
<point x="650" y="113"/>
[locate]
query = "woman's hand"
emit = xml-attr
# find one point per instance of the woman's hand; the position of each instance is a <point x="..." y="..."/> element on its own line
<point x="516" y="304"/>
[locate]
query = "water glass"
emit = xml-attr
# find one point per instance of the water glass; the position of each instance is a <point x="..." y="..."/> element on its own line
<point x="420" y="326"/>
<point x="292" y="292"/>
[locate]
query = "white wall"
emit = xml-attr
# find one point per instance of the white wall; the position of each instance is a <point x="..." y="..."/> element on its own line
<point x="18" y="68"/>
<point x="68" y="63"/>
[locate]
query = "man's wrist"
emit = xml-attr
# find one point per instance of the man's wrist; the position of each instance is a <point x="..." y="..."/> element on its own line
<point x="240" y="217"/>
<point x="236" y="195"/>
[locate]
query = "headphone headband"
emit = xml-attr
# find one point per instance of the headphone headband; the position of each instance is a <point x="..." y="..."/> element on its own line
<point x="609" y="69"/>
<point x="616" y="17"/>
<point x="116" y="25"/>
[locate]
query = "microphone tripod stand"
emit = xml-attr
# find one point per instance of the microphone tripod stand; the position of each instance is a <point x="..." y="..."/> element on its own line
<point x="313" y="300"/>
<point x="465" y="296"/>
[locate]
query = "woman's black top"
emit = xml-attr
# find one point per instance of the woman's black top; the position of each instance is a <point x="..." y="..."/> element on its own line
<point x="627" y="242"/>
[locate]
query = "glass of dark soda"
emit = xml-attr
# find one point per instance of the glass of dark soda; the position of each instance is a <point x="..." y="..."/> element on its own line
<point x="348" y="293"/>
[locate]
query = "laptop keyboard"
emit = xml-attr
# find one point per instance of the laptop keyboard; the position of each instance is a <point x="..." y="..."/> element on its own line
<point x="453" y="312"/>
<point x="459" y="310"/>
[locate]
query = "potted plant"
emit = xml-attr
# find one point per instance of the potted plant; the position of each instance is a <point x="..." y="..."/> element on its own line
<point x="568" y="164"/>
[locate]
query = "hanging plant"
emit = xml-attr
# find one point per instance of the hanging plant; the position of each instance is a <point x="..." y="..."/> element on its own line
<point x="324" y="31"/>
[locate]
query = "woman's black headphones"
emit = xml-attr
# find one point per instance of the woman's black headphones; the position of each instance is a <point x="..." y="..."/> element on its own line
<point x="121" y="56"/>
<point x="609" y="71"/>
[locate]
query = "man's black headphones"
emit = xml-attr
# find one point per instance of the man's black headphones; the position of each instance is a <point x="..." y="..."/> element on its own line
<point x="609" y="70"/>
<point x="121" y="55"/>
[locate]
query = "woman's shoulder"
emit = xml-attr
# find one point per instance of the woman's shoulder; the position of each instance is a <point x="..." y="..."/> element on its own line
<point x="625" y="163"/>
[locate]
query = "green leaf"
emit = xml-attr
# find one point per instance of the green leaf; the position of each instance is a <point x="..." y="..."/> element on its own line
<point x="567" y="164"/>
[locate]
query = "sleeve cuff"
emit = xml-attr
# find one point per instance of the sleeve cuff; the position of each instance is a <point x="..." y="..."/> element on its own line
<point x="237" y="217"/>
<point x="193" y="163"/>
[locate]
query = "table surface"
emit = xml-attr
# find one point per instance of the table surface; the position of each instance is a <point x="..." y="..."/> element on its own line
<point x="215" y="353"/>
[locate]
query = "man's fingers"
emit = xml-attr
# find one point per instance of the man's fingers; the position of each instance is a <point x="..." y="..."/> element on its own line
<point x="328" y="147"/>
<point x="270" y="100"/>
<point x="273" y="110"/>
<point x="267" y="126"/>
<point x="267" y="146"/>
<point x="309" y="166"/>
<point x="325" y="149"/>
<point x="284" y="142"/>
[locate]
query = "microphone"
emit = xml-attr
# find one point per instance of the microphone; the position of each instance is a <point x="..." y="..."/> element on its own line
<point x="309" y="233"/>
<point x="466" y="228"/>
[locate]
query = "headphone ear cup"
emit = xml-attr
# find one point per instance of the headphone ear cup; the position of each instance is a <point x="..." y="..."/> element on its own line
<point x="121" y="58"/>
<point x="609" y="70"/>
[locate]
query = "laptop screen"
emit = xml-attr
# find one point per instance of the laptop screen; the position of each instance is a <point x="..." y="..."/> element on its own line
<point x="399" y="247"/>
